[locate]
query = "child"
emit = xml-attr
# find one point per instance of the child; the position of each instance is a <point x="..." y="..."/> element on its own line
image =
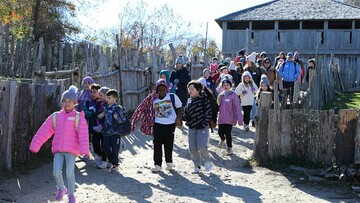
<point x="71" y="139"/>
<point x="265" y="86"/>
<point x="165" y="74"/>
<point x="99" y="108"/>
<point x="84" y="95"/>
<point x="229" y="114"/>
<point x="197" y="115"/>
<point x="246" y="90"/>
<point x="91" y="114"/>
<point x="167" y="116"/>
<point x="114" y="118"/>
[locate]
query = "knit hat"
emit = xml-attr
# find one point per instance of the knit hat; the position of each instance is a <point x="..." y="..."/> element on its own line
<point x="264" y="80"/>
<point x="223" y="67"/>
<point x="290" y="54"/>
<point x="242" y="51"/>
<point x="226" y="81"/>
<point x="160" y="82"/>
<point x="88" y="80"/>
<point x="206" y="70"/>
<point x="70" y="94"/>
<point x="232" y="66"/>
<point x="263" y="54"/>
<point x="104" y="90"/>
<point x="179" y="59"/>
<point x="213" y="67"/>
<point x="296" y="55"/>
<point x="228" y="60"/>
<point x="251" y="57"/>
<point x="225" y="77"/>
<point x="167" y="75"/>
<point x="242" y="60"/>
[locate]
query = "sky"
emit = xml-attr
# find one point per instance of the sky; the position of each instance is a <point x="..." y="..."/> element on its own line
<point x="198" y="12"/>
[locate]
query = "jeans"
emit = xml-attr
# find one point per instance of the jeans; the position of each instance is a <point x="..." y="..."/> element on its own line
<point x="198" y="145"/>
<point x="70" y="170"/>
<point x="163" y="135"/>
<point x="111" y="148"/>
<point x="225" y="133"/>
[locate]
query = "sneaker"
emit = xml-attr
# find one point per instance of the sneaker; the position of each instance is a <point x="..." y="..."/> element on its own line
<point x="61" y="193"/>
<point x="208" y="166"/>
<point x="229" y="151"/>
<point x="221" y="144"/>
<point x="97" y="159"/>
<point x="156" y="169"/>
<point x="85" y="158"/>
<point x="170" y="166"/>
<point x="72" y="199"/>
<point x="98" y="128"/>
<point x="102" y="165"/>
<point x="253" y="123"/>
<point x="114" y="169"/>
<point x="108" y="165"/>
<point x="196" y="170"/>
<point x="246" y="127"/>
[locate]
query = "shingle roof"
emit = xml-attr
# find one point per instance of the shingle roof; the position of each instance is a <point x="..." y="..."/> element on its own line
<point x="295" y="10"/>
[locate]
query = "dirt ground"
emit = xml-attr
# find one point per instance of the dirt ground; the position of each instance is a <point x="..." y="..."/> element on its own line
<point x="231" y="179"/>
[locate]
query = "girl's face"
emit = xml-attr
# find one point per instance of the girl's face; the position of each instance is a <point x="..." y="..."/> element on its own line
<point x="266" y="64"/>
<point x="207" y="74"/>
<point x="226" y="86"/>
<point x="311" y="65"/>
<point x="246" y="78"/>
<point x="102" y="97"/>
<point x="86" y="85"/>
<point x="264" y="87"/>
<point x="225" y="71"/>
<point x="68" y="104"/>
<point x="161" y="90"/>
<point x="162" y="76"/>
<point x="192" y="91"/>
<point x="94" y="94"/>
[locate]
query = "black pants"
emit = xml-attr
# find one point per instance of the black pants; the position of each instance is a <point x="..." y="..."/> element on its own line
<point x="96" y="142"/>
<point x="111" y="148"/>
<point x="225" y="133"/>
<point x="247" y="111"/>
<point x="163" y="135"/>
<point x="290" y="89"/>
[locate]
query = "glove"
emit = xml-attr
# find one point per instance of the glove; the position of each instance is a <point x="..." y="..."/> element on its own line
<point x="98" y="128"/>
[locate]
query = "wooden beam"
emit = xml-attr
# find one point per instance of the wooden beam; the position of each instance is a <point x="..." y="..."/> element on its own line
<point x="60" y="72"/>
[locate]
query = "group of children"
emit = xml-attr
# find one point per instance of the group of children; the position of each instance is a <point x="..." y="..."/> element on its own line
<point x="92" y="111"/>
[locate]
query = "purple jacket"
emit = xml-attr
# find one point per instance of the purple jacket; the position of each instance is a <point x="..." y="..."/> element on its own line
<point x="229" y="109"/>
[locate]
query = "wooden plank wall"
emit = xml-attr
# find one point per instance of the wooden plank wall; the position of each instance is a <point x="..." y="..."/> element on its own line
<point x="24" y="107"/>
<point x="314" y="136"/>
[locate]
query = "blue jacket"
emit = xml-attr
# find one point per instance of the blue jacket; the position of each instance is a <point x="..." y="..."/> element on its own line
<point x="289" y="71"/>
<point x="114" y="126"/>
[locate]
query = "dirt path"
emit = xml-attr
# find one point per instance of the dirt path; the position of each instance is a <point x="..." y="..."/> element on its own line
<point x="231" y="179"/>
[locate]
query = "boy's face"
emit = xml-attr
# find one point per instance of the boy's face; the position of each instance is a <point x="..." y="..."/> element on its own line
<point x="215" y="61"/>
<point x="161" y="90"/>
<point x="162" y="76"/>
<point x="94" y="94"/>
<point x="102" y="97"/>
<point x="68" y="104"/>
<point x="193" y="92"/>
<point x="226" y="86"/>
<point x="111" y="99"/>
<point x="86" y="85"/>
<point x="225" y="71"/>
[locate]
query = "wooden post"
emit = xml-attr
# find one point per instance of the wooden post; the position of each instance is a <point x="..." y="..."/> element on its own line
<point x="266" y="99"/>
<point x="296" y="95"/>
<point x="276" y="95"/>
<point x="1" y="49"/>
<point x="357" y="144"/>
<point x="286" y="133"/>
<point x="261" y="134"/>
<point x="274" y="133"/>
<point x="120" y="85"/>
<point x="173" y="52"/>
<point x="345" y="137"/>
<point x="17" y="57"/>
<point x="6" y="56"/>
<point x="9" y="155"/>
<point x="299" y="139"/>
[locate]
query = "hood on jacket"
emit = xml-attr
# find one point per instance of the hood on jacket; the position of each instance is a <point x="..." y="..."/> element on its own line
<point x="160" y="82"/>
<point x="246" y="73"/>
<point x="167" y="75"/>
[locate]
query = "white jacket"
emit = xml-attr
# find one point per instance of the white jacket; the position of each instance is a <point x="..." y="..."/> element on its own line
<point x="246" y="94"/>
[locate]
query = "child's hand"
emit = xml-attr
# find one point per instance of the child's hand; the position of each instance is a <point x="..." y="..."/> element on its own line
<point x="101" y="115"/>
<point x="253" y="89"/>
<point x="177" y="122"/>
<point x="115" y="116"/>
<point x="244" y="92"/>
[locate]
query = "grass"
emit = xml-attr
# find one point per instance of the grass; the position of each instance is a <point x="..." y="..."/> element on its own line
<point x="345" y="101"/>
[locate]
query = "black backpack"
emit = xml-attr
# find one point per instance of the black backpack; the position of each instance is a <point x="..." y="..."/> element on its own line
<point x="126" y="126"/>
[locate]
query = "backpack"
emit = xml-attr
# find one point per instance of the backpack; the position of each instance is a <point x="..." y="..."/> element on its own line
<point x="214" y="108"/>
<point x="77" y="119"/>
<point x="127" y="125"/>
<point x="302" y="71"/>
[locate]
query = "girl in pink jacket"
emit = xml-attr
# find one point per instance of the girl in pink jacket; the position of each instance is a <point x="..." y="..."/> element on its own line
<point x="229" y="114"/>
<point x="71" y="139"/>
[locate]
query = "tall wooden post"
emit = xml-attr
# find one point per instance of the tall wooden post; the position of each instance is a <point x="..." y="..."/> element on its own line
<point x="120" y="84"/>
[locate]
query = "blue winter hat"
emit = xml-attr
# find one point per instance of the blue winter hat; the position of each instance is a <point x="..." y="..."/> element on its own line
<point x="88" y="79"/>
<point x="70" y="94"/>
<point x="179" y="59"/>
<point x="264" y="80"/>
<point x="290" y="54"/>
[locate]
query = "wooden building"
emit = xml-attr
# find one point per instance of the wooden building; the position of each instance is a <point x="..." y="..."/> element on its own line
<point x="311" y="27"/>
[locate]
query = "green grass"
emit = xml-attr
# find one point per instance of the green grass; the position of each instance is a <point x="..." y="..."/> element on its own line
<point x="345" y="101"/>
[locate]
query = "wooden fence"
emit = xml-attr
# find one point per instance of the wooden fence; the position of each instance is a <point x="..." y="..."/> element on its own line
<point x="23" y="108"/>
<point x="318" y="136"/>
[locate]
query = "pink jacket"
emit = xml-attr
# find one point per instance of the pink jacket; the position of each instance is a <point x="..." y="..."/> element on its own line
<point x="66" y="139"/>
<point x="229" y="109"/>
